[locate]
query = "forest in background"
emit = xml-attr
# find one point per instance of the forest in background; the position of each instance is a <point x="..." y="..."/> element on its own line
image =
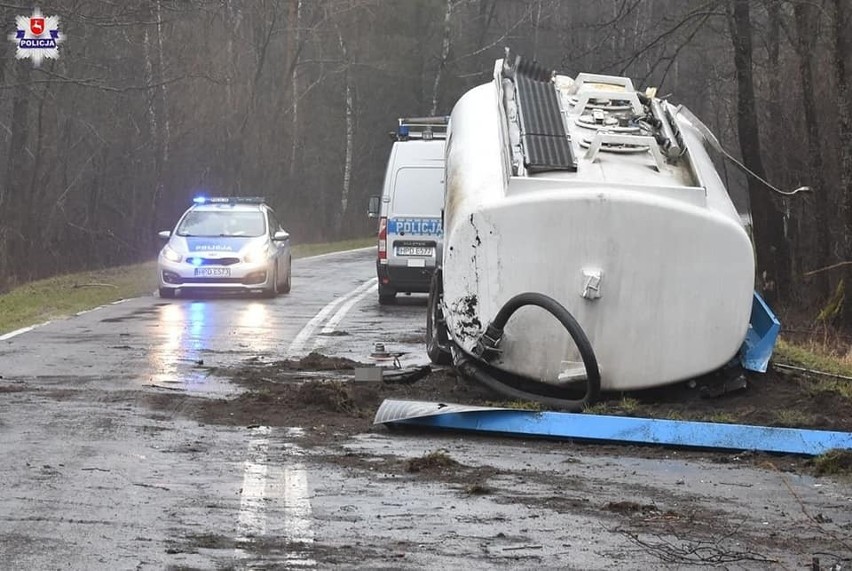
<point x="154" y="101"/>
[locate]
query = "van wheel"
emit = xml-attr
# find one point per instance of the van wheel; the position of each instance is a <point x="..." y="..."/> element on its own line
<point x="437" y="337"/>
<point x="387" y="296"/>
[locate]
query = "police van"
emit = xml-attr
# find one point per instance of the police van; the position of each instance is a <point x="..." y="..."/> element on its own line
<point x="410" y="232"/>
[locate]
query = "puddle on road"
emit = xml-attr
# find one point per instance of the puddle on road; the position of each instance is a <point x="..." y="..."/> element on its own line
<point x="182" y="355"/>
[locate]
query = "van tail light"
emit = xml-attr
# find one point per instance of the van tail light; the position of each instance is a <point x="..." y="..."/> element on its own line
<point x="383" y="238"/>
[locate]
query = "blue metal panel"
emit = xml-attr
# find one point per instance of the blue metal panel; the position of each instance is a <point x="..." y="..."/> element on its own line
<point x="763" y="329"/>
<point x="634" y="430"/>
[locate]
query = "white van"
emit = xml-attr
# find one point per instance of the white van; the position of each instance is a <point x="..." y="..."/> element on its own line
<point x="410" y="208"/>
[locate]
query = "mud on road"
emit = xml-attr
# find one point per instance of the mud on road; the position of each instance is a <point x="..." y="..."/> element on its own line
<point x="319" y="391"/>
<point x="673" y="524"/>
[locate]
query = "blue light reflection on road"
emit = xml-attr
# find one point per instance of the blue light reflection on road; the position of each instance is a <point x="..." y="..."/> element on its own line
<point x="253" y="324"/>
<point x="188" y="332"/>
<point x="176" y="357"/>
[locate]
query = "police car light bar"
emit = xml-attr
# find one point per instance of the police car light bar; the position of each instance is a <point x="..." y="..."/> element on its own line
<point x="426" y="128"/>
<point x="229" y="200"/>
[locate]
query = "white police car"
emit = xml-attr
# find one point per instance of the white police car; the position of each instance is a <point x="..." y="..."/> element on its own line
<point x="226" y="244"/>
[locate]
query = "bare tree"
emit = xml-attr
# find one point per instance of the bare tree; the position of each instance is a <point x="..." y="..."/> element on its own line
<point x="772" y="250"/>
<point x="806" y="34"/>
<point x="446" y="42"/>
<point x="349" y="109"/>
<point x="840" y="51"/>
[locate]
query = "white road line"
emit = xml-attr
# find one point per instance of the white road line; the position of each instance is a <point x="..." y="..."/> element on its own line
<point x="269" y="488"/>
<point x="335" y="320"/>
<point x="252" y="520"/>
<point x="301" y="339"/>
<point x="17" y="332"/>
<point x="329" y="254"/>
<point x="289" y="485"/>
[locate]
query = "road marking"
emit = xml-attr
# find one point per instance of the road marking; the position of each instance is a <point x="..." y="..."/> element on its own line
<point x="367" y="288"/>
<point x="329" y="254"/>
<point x="301" y="339"/>
<point x="266" y="488"/>
<point x="20" y="331"/>
<point x="252" y="520"/>
<point x="290" y="484"/>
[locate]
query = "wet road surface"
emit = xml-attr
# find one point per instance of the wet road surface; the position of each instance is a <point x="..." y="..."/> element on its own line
<point x="104" y="469"/>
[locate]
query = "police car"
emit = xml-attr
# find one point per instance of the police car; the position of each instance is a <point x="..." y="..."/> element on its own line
<point x="226" y="244"/>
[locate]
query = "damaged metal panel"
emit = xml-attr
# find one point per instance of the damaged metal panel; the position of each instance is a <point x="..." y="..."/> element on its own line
<point x="401" y="410"/>
<point x="600" y="428"/>
<point x="763" y="330"/>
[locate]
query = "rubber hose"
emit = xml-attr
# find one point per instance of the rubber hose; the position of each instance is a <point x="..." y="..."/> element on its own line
<point x="593" y="377"/>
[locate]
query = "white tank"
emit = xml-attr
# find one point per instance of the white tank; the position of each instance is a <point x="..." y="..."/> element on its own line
<point x="621" y="217"/>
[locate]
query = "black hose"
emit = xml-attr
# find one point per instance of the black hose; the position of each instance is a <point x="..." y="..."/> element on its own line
<point x="488" y="343"/>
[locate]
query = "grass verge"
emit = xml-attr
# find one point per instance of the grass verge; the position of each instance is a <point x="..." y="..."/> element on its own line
<point x="60" y="296"/>
<point x="307" y="250"/>
<point x="813" y="356"/>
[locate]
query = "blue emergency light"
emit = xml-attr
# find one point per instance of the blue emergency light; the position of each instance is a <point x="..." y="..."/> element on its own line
<point x="229" y="200"/>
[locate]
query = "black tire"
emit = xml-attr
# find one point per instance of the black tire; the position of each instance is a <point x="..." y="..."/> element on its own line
<point x="287" y="285"/>
<point x="272" y="290"/>
<point x="167" y="293"/>
<point x="387" y="296"/>
<point x="437" y="337"/>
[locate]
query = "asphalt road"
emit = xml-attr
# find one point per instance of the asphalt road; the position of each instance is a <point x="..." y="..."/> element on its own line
<point x="94" y="476"/>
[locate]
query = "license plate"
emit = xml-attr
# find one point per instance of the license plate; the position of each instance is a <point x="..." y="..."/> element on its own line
<point x="414" y="251"/>
<point x="212" y="272"/>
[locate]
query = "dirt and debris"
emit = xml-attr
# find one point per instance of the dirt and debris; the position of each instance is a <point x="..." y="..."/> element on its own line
<point x="317" y="392"/>
<point x="437" y="461"/>
<point x="834" y="462"/>
<point x="317" y="362"/>
<point x="771" y="399"/>
<point x="626" y="507"/>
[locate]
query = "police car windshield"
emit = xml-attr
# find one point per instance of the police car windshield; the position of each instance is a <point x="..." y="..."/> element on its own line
<point x="231" y="223"/>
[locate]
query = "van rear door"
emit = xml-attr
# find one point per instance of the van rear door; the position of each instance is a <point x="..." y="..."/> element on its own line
<point x="414" y="229"/>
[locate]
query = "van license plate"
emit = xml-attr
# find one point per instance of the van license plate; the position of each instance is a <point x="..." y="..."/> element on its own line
<point x="212" y="272"/>
<point x="414" y="251"/>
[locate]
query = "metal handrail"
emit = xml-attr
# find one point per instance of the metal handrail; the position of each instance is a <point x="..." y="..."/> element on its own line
<point x="650" y="143"/>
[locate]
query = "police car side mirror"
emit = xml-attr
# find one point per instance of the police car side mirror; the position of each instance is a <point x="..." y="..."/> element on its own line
<point x="164" y="234"/>
<point x="281" y="236"/>
<point x="373" y="208"/>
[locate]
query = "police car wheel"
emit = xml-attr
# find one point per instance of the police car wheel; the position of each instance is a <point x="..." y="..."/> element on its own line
<point x="286" y="287"/>
<point x="272" y="290"/>
<point x="167" y="292"/>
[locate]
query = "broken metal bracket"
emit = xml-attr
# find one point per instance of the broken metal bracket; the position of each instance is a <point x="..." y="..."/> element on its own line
<point x="487" y="346"/>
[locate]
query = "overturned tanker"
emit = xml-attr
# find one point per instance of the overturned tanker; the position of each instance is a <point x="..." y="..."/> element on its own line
<point x="590" y="242"/>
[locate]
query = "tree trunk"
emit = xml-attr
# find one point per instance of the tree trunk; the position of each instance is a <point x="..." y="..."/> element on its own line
<point x="155" y="138"/>
<point x="840" y="49"/>
<point x="11" y="198"/>
<point x="350" y="134"/>
<point x="445" y="54"/>
<point x="772" y="248"/>
<point x="805" y="36"/>
<point x="164" y="94"/>
<point x="293" y="50"/>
